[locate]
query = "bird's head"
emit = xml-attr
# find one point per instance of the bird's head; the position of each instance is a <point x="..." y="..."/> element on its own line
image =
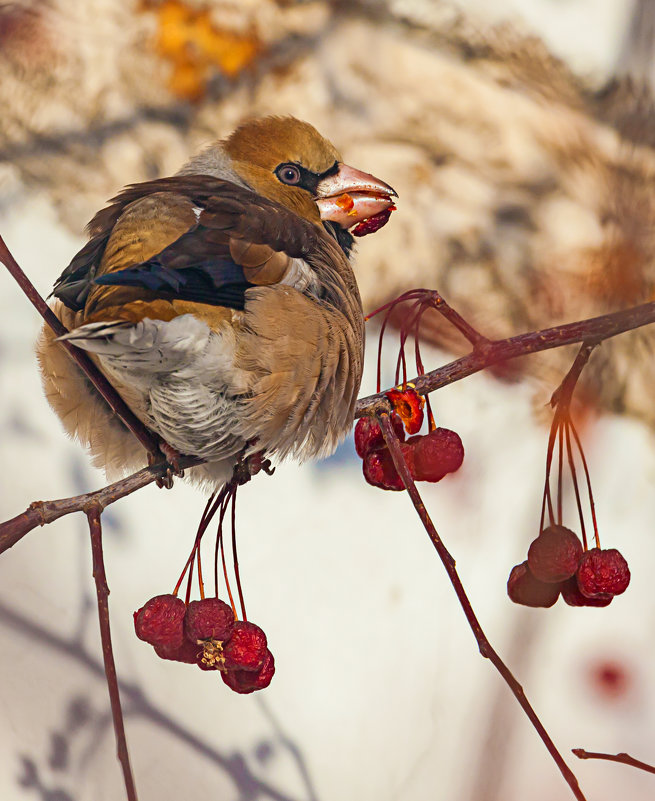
<point x="287" y="160"/>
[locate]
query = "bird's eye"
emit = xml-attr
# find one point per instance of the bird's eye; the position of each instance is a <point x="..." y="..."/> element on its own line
<point x="288" y="174"/>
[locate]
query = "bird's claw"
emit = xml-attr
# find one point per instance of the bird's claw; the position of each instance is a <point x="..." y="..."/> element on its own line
<point x="172" y="465"/>
<point x="249" y="466"/>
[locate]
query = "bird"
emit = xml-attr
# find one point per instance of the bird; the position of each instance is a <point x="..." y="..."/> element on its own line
<point x="222" y="305"/>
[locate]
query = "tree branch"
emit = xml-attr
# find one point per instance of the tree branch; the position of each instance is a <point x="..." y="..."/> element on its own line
<point x="623" y="758"/>
<point x="592" y="331"/>
<point x="146" y="437"/>
<point x="487" y="651"/>
<point x="40" y="513"/>
<point x="93" y="513"/>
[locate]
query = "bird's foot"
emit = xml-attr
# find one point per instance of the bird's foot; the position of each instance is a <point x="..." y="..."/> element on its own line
<point x="172" y="465"/>
<point x="248" y="466"/>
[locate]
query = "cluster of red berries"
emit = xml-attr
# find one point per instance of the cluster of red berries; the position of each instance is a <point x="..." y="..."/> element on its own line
<point x="429" y="456"/>
<point x="557" y="563"/>
<point x="205" y="633"/>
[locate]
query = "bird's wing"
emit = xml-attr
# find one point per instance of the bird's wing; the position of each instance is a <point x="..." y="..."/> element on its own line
<point x="191" y="238"/>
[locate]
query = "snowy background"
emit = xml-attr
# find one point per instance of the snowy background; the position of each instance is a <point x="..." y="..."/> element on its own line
<point x="379" y="691"/>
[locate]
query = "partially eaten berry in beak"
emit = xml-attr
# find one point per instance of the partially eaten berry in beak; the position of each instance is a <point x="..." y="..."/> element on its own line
<point x="355" y="199"/>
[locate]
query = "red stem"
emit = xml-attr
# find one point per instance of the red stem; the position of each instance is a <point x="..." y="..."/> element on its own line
<point x="483" y="643"/>
<point x="219" y="534"/>
<point x="587" y="476"/>
<point x="560" y="465"/>
<point x="93" y="513"/>
<point x="576" y="488"/>
<point x="235" y="555"/>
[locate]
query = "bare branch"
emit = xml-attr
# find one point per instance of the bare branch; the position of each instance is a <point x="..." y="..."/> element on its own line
<point x="592" y="331"/>
<point x="40" y="513"/>
<point x="146" y="437"/>
<point x="623" y="758"/>
<point x="484" y="645"/>
<point x="93" y="513"/>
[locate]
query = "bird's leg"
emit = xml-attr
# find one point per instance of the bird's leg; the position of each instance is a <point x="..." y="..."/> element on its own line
<point x="172" y="464"/>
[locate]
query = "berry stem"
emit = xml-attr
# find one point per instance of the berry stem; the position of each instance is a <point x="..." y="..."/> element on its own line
<point x="210" y="510"/>
<point x="93" y="513"/>
<point x="227" y="580"/>
<point x="560" y="465"/>
<point x="574" y="478"/>
<point x="201" y="583"/>
<point x="588" y="478"/>
<point x="484" y="645"/>
<point x="476" y="339"/>
<point x="219" y="535"/>
<point x="554" y="426"/>
<point x="405" y="333"/>
<point x="234" y="553"/>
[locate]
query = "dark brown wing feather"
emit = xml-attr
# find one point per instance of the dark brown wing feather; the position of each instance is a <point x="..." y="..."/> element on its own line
<point x="198" y="265"/>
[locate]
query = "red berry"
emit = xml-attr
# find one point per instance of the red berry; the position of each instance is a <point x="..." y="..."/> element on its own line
<point x="160" y="621"/>
<point x="188" y="652"/>
<point x="409" y="406"/>
<point x="380" y="471"/>
<point x="207" y="619"/>
<point x="368" y="434"/>
<point x="555" y="554"/>
<point x="436" y="454"/>
<point x="523" y="588"/>
<point x="603" y="572"/>
<point x="247" y="681"/>
<point x="246" y="648"/>
<point x="573" y="597"/>
<point x="374" y="223"/>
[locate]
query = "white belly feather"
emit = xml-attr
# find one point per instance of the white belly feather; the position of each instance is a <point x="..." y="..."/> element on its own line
<point x="179" y="377"/>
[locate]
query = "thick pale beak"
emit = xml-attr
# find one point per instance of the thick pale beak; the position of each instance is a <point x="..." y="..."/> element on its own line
<point x="354" y="198"/>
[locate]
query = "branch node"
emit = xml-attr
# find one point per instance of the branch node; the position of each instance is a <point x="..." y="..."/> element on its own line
<point x="39" y="508"/>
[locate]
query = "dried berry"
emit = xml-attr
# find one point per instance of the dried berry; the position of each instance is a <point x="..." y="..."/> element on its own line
<point x="555" y="554"/>
<point x="368" y="434"/>
<point x="409" y="406"/>
<point x="207" y="619"/>
<point x="246" y="648"/>
<point x="372" y="224"/>
<point x="188" y="652"/>
<point x="523" y="588"/>
<point x="247" y="681"/>
<point x="380" y="471"/>
<point x="436" y="454"/>
<point x="603" y="572"/>
<point x="160" y="621"/>
<point x="573" y="597"/>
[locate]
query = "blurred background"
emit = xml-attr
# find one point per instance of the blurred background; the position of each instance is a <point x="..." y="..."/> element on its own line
<point x="520" y="140"/>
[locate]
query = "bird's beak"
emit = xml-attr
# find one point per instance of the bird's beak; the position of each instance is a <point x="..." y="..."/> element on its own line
<point x="350" y="198"/>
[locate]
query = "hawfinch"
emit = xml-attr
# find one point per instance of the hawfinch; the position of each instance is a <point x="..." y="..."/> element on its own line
<point x="221" y="304"/>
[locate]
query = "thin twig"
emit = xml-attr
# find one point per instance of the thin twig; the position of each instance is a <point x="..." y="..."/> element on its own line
<point x="564" y="392"/>
<point x="40" y="513"/>
<point x="478" y="340"/>
<point x="93" y="513"/>
<point x="483" y="643"/>
<point x="146" y="437"/>
<point x="623" y="758"/>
